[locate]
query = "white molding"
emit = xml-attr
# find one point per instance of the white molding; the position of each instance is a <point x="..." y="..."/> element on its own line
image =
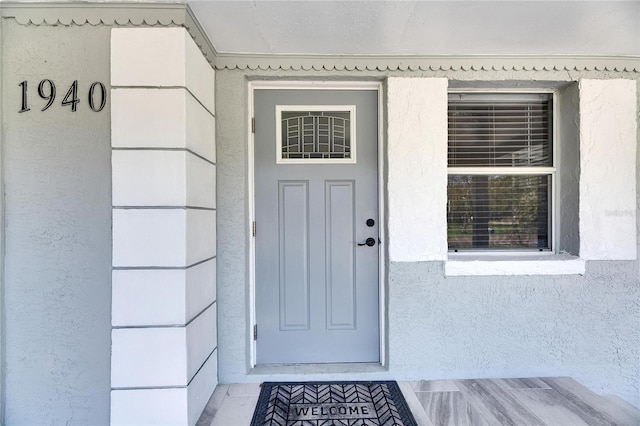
<point x="315" y="85"/>
<point x="527" y="266"/>
<point x="252" y="344"/>
<point x="253" y="62"/>
<point x="254" y="85"/>
<point x="3" y="320"/>
<point x="382" y="219"/>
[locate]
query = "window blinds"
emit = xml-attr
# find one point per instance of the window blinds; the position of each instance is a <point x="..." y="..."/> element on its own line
<point x="509" y="130"/>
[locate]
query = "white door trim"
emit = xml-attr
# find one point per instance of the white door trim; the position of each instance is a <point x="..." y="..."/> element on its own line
<point x="315" y="85"/>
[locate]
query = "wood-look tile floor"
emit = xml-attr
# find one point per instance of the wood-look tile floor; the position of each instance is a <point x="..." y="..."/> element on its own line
<point x="556" y="401"/>
<point x="551" y="401"/>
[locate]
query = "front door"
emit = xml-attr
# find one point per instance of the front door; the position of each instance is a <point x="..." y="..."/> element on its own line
<point x="316" y="205"/>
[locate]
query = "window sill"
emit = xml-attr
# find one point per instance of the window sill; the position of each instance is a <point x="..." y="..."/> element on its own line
<point x="468" y="264"/>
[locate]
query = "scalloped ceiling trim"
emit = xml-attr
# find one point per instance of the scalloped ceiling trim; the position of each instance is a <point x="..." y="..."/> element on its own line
<point x="94" y="14"/>
<point x="99" y="21"/>
<point x="141" y="14"/>
<point x="255" y="63"/>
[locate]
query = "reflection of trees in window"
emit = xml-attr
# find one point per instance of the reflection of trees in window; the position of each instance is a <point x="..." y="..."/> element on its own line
<point x="498" y="211"/>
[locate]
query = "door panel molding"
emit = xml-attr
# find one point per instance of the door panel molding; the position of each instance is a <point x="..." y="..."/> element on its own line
<point x="340" y="194"/>
<point x="294" y="260"/>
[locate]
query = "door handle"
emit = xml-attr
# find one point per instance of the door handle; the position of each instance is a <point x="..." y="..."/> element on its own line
<point x="369" y="242"/>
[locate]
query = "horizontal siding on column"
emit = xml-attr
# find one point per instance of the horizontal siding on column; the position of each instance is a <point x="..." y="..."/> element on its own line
<point x="150" y="118"/>
<point x="201" y="287"/>
<point x="163" y="178"/>
<point x="185" y="236"/>
<point x="149" y="178"/>
<point x="148" y="357"/>
<point x="164" y="353"/>
<point x="162" y="356"/>
<point x="201" y="235"/>
<point x="200" y="130"/>
<point x="166" y="58"/>
<point x="162" y="118"/>
<point x="138" y="54"/>
<point x="151" y="297"/>
<point x="199" y="75"/>
<point x="149" y="238"/>
<point x="167" y="407"/>
<point x="148" y="297"/>
<point x="201" y="339"/>
<point x="201" y="387"/>
<point x="201" y="182"/>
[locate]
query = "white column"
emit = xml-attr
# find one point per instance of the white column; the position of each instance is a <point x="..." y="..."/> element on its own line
<point x="608" y="139"/>
<point x="164" y="341"/>
<point x="417" y="160"/>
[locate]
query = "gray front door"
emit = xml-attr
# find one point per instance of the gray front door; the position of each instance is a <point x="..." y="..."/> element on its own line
<point x="316" y="198"/>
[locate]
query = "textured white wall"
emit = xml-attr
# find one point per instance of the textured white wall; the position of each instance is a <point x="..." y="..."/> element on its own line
<point x="608" y="140"/>
<point x="57" y="192"/>
<point x="417" y="164"/>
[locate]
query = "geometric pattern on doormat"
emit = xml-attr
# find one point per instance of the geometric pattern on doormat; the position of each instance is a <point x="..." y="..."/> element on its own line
<point x="366" y="403"/>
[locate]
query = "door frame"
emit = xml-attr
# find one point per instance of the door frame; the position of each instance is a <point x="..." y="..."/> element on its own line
<point x="254" y="85"/>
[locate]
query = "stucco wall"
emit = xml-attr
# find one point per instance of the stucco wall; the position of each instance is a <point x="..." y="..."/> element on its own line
<point x="57" y="169"/>
<point x="568" y="159"/>
<point x="586" y="326"/>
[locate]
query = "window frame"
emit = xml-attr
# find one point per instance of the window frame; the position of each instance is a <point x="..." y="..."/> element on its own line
<point x="552" y="171"/>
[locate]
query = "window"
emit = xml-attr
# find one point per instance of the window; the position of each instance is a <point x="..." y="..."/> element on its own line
<point x="501" y="171"/>
<point x="315" y="134"/>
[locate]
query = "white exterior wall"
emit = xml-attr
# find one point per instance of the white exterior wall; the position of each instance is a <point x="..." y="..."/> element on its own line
<point x="550" y="315"/>
<point x="608" y="139"/>
<point x="164" y="338"/>
<point x="417" y="158"/>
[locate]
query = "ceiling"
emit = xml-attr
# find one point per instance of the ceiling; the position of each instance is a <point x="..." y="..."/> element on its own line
<point x="367" y="27"/>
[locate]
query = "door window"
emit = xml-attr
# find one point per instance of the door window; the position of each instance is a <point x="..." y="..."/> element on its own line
<point x="315" y="134"/>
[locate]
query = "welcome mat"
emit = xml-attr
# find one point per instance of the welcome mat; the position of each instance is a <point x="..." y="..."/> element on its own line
<point x="332" y="403"/>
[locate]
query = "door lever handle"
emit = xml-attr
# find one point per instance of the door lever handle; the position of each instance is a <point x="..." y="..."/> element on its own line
<point x="369" y="242"/>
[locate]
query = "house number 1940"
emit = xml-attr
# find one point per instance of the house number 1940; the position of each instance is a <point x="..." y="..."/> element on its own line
<point x="47" y="91"/>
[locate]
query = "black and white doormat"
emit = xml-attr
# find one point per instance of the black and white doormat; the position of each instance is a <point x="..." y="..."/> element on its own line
<point x="332" y="403"/>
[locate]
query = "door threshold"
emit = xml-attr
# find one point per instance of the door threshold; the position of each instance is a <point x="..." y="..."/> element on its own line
<point x="333" y="371"/>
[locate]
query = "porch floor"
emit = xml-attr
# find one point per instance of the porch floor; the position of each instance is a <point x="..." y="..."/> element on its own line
<point x="554" y="401"/>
